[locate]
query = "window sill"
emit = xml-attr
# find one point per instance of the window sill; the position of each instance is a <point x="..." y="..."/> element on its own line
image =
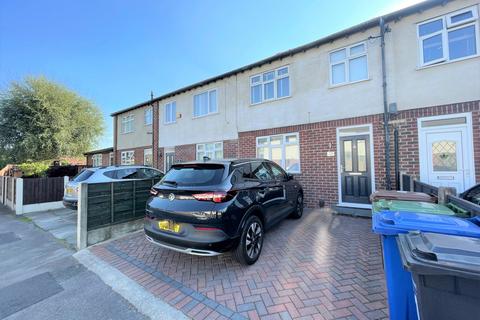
<point x="169" y="123"/>
<point x="446" y="62"/>
<point x="269" y="101"/>
<point x="333" y="86"/>
<point x="147" y="125"/>
<point x="127" y="132"/>
<point x="205" y="115"/>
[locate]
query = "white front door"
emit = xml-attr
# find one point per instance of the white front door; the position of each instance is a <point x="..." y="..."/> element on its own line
<point x="446" y="159"/>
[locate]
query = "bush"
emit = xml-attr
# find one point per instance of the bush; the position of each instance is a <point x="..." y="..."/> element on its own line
<point x="35" y="169"/>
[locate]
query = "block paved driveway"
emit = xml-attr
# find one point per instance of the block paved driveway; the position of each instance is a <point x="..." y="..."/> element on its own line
<point x="323" y="266"/>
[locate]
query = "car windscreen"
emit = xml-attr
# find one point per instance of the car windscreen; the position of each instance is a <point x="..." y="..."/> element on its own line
<point x="82" y="176"/>
<point x="206" y="174"/>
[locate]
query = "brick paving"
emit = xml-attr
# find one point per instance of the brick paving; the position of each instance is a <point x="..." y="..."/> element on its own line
<point x="323" y="266"/>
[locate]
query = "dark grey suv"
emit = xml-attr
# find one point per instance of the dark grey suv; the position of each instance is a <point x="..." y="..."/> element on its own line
<point x="209" y="207"/>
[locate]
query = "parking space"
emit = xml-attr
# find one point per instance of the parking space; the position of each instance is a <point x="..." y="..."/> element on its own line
<point x="323" y="266"/>
<point x="61" y="223"/>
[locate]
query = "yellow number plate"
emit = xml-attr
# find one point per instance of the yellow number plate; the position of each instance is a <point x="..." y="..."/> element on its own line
<point x="169" y="225"/>
<point x="69" y="190"/>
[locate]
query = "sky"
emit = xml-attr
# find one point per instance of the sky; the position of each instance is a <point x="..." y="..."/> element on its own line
<point x="115" y="52"/>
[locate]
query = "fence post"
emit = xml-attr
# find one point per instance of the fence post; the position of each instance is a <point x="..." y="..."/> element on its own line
<point x="444" y="192"/>
<point x="19" y="196"/>
<point x="134" y="200"/>
<point x="66" y="180"/>
<point x="412" y="182"/>
<point x="112" y="202"/>
<point x="3" y="189"/>
<point x="82" y="215"/>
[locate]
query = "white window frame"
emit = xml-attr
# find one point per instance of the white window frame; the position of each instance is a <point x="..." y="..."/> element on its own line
<point x="127" y="124"/>
<point x="204" y="146"/>
<point x="346" y="61"/>
<point x="146" y="117"/>
<point x="262" y="83"/>
<point x="169" y="105"/>
<point x="282" y="146"/>
<point x="127" y="155"/>
<point x="448" y="27"/>
<point x="147" y="152"/>
<point x="209" y="112"/>
<point x="97" y="160"/>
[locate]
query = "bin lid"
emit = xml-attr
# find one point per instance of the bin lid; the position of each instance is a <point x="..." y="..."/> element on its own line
<point x="413" y="206"/>
<point x="433" y="253"/>
<point x="402" y="195"/>
<point x="395" y="222"/>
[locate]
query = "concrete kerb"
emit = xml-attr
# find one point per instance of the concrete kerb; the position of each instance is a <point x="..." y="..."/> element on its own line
<point x="145" y="302"/>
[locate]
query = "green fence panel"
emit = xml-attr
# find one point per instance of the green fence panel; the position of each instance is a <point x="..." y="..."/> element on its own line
<point x="98" y="205"/>
<point x="117" y="202"/>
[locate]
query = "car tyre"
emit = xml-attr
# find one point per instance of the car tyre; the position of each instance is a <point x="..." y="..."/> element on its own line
<point x="297" y="214"/>
<point x="251" y="242"/>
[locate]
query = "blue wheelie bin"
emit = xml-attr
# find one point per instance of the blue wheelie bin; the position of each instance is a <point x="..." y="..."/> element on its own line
<point x="389" y="224"/>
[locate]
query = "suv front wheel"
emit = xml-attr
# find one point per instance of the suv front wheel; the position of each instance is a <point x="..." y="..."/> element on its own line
<point x="251" y="242"/>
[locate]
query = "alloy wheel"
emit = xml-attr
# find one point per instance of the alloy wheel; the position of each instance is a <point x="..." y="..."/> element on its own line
<point x="254" y="240"/>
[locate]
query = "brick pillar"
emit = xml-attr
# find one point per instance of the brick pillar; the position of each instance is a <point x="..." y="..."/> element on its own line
<point x="155" y="130"/>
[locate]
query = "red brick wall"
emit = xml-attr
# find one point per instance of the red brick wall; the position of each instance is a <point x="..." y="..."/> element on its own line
<point x="186" y="152"/>
<point x="319" y="172"/>
<point x="230" y="149"/>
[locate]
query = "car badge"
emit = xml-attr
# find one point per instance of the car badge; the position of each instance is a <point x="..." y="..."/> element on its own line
<point x="171" y="197"/>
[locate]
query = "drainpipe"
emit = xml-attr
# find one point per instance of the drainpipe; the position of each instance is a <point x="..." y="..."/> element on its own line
<point x="397" y="160"/>
<point x="386" y="115"/>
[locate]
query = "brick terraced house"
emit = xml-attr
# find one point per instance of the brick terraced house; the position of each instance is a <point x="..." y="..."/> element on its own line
<point x="321" y="110"/>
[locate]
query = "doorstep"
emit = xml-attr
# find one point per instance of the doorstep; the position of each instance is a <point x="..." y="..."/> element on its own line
<point x="353" y="211"/>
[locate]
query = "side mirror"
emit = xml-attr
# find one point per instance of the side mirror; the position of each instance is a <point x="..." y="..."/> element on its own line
<point x="290" y="176"/>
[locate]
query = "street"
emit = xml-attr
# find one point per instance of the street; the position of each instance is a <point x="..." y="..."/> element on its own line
<point x="39" y="279"/>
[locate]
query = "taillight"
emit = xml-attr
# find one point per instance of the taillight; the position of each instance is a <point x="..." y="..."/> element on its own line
<point x="216" y="197"/>
<point x="153" y="192"/>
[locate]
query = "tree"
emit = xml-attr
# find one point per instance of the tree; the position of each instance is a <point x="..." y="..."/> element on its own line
<point x="41" y="120"/>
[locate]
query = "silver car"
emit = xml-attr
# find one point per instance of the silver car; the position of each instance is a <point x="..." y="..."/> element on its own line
<point x="105" y="174"/>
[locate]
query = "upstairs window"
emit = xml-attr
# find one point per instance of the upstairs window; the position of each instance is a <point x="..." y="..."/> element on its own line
<point x="127" y="124"/>
<point x="148" y="116"/>
<point x="205" y="103"/>
<point x="448" y="38"/>
<point x="170" y="112"/>
<point x="270" y="85"/>
<point x="349" y="64"/>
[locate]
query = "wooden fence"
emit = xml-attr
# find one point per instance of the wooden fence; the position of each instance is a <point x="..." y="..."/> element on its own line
<point x="40" y="190"/>
<point x="410" y="183"/>
<point x="107" y="208"/>
<point x="32" y="194"/>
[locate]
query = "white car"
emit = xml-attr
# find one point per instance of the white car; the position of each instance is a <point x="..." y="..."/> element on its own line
<point x="106" y="174"/>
